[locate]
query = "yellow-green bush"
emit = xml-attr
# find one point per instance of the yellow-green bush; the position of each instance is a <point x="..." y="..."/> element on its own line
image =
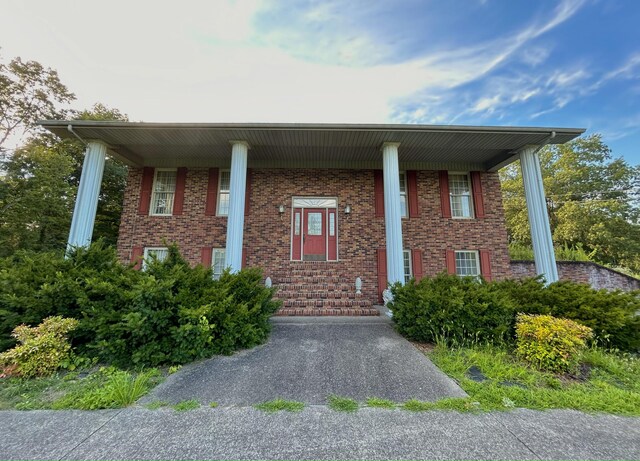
<point x="550" y="343"/>
<point x="42" y="349"/>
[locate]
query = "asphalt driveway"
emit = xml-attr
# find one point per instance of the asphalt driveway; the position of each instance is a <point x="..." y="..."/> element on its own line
<point x="307" y="359"/>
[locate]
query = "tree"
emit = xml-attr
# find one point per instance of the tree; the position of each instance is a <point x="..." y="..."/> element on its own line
<point x="28" y="92"/>
<point x="592" y="201"/>
<point x="39" y="185"/>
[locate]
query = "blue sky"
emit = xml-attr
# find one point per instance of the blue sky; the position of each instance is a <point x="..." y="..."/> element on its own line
<point x="573" y="63"/>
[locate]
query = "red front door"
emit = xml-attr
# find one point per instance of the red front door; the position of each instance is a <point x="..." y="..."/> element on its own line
<point x="314" y="234"/>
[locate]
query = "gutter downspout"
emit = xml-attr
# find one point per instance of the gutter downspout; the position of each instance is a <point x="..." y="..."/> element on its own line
<point x="544" y="142"/>
<point x="70" y="130"/>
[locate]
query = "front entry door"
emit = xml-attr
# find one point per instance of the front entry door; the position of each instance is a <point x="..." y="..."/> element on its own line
<point x="314" y="234"/>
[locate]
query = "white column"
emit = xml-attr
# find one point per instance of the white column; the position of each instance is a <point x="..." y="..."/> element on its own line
<point x="235" y="220"/>
<point x="84" y="212"/>
<point x="392" y="212"/>
<point x="544" y="255"/>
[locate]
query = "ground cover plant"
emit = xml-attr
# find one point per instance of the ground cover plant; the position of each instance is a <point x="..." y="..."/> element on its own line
<point x="603" y="382"/>
<point x="272" y="406"/>
<point x="99" y="388"/>
<point x="186" y="405"/>
<point x="345" y="404"/>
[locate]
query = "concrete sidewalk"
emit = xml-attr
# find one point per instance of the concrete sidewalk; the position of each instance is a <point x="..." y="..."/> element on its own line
<point x="315" y="433"/>
<point x="309" y="358"/>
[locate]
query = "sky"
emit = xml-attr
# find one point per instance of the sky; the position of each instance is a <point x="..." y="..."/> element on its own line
<point x="562" y="63"/>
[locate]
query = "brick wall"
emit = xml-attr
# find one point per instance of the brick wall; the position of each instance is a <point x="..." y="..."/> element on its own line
<point x="582" y="272"/>
<point x="360" y="234"/>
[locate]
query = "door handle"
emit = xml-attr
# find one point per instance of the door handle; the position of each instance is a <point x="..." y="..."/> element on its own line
<point x="304" y="237"/>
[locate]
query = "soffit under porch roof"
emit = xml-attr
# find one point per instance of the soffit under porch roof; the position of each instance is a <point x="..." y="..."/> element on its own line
<point x="282" y="145"/>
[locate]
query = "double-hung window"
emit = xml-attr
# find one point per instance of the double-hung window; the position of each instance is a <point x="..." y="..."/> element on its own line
<point x="157" y="253"/>
<point x="217" y="262"/>
<point x="403" y="194"/>
<point x="164" y="191"/>
<point x="223" y="192"/>
<point x="460" y="195"/>
<point x="408" y="269"/>
<point x="467" y="264"/>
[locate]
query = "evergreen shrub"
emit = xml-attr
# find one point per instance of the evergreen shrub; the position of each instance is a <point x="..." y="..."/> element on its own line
<point x="170" y="313"/>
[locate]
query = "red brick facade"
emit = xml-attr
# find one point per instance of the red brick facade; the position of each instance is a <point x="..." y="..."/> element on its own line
<point x="267" y="236"/>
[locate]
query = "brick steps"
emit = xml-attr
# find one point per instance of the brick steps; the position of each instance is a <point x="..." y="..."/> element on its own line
<point x="319" y="289"/>
<point x="305" y="311"/>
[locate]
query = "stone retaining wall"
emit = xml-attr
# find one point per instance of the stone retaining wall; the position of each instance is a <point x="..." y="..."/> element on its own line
<point x="583" y="272"/>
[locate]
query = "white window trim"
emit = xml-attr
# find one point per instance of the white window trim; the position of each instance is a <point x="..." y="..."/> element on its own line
<point x="146" y="255"/>
<point x="403" y="173"/>
<point x="220" y="190"/>
<point x="213" y="261"/>
<point x="153" y="192"/>
<point x="471" y="206"/>
<point x="477" y="255"/>
<point x="407" y="252"/>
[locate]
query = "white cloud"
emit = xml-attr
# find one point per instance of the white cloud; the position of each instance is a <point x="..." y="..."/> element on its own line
<point x="208" y="62"/>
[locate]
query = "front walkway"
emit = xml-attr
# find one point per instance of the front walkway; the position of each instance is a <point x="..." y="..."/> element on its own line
<point x="315" y="433"/>
<point x="309" y="358"/>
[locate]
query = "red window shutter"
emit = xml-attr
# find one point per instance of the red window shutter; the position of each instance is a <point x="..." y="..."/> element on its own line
<point x="476" y="188"/>
<point x="485" y="264"/>
<point x="145" y="190"/>
<point x="212" y="193"/>
<point x="247" y="195"/>
<point x="244" y="258"/>
<point x="178" y="201"/>
<point x="451" y="262"/>
<point x="136" y="257"/>
<point x="416" y="263"/>
<point x="445" y="203"/>
<point x="382" y="271"/>
<point x="412" y="190"/>
<point x="378" y="186"/>
<point x="205" y="256"/>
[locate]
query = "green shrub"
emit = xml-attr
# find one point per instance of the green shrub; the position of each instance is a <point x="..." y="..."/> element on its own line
<point x="42" y="349"/>
<point x="612" y="315"/>
<point x="452" y="308"/>
<point x="550" y="343"/>
<point x="169" y="314"/>
<point x="176" y="314"/>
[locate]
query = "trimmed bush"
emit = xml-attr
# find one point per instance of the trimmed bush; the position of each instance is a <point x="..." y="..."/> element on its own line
<point x="550" y="343"/>
<point x="42" y="350"/>
<point x="453" y="309"/>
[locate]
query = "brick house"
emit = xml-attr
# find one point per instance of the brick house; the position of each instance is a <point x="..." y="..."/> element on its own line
<point x="318" y="206"/>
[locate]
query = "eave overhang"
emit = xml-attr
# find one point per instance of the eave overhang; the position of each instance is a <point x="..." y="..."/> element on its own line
<point x="284" y="145"/>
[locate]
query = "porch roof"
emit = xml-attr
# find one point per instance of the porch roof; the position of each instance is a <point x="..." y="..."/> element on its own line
<point x="293" y="145"/>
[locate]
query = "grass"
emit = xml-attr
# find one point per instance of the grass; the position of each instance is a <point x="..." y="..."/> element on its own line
<point x="613" y="384"/>
<point x="272" y="406"/>
<point x="213" y="405"/>
<point x="156" y="404"/>
<point x="375" y="402"/>
<point x="186" y="405"/>
<point x="345" y="404"/>
<point x="106" y="387"/>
